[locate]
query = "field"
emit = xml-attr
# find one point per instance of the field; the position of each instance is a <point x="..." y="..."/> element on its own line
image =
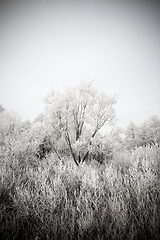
<point x="49" y="199"/>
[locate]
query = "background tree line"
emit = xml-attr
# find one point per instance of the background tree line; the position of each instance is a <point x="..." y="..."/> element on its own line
<point x="70" y="127"/>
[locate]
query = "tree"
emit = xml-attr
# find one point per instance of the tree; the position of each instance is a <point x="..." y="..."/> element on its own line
<point x="131" y="136"/>
<point x="1" y="108"/>
<point x="76" y="115"/>
<point x="116" y="139"/>
<point x="15" y="141"/>
<point x="150" y="131"/>
<point x="10" y="125"/>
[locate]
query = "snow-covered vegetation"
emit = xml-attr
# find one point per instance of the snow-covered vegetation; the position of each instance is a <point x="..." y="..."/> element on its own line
<point x="60" y="178"/>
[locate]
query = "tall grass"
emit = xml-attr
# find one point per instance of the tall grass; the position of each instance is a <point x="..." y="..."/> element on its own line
<point x="58" y="200"/>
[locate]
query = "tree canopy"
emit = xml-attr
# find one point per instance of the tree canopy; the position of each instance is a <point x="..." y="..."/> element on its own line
<point x="76" y="115"/>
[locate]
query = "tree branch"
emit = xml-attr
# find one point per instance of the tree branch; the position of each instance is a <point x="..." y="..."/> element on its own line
<point x="54" y="150"/>
<point x="67" y="138"/>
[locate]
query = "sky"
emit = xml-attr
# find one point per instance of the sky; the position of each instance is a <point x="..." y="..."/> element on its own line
<point x="47" y="45"/>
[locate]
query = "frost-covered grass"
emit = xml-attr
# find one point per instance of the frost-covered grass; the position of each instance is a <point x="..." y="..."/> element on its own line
<point x="54" y="200"/>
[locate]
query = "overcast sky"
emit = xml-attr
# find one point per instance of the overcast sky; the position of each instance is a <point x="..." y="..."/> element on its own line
<point x="53" y="44"/>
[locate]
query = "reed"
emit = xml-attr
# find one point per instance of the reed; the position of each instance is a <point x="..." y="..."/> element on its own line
<point x="58" y="200"/>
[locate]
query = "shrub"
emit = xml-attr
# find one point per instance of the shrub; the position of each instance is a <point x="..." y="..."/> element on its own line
<point x="59" y="200"/>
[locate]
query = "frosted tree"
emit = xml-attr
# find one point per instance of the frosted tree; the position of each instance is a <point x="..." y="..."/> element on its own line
<point x="131" y="135"/>
<point x="77" y="114"/>
<point x="150" y="131"/>
<point x="15" y="138"/>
